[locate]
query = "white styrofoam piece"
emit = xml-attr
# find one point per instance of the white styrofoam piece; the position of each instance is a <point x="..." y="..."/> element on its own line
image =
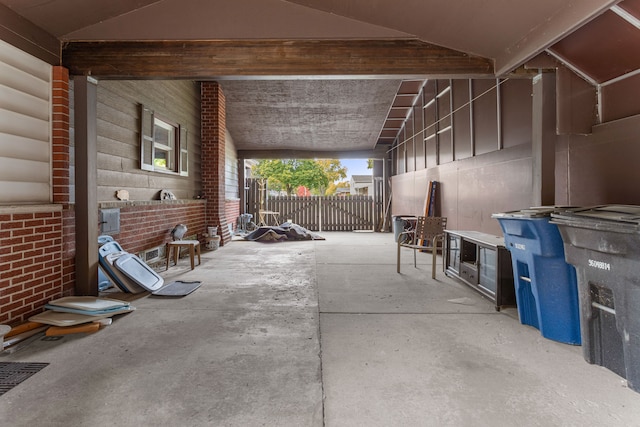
<point x="88" y="303"/>
<point x="57" y="318"/>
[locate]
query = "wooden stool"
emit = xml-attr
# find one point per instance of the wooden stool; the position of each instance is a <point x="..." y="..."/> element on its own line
<point x="193" y="245"/>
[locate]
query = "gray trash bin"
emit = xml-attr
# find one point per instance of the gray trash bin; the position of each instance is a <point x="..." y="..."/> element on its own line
<point x="603" y="244"/>
<point x="402" y="223"/>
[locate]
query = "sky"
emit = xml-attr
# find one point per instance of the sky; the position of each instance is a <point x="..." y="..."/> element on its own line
<point x="356" y="167"/>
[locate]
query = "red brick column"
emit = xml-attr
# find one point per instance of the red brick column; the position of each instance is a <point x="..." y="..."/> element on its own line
<point x="60" y="135"/>
<point x="60" y="169"/>
<point x="213" y="131"/>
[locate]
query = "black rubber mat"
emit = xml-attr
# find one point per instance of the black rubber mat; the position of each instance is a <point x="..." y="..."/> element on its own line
<point x="13" y="373"/>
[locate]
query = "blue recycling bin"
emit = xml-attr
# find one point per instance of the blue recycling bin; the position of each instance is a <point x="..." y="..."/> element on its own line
<point x="546" y="285"/>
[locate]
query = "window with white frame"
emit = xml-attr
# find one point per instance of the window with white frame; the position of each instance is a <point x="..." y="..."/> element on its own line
<point x="163" y="145"/>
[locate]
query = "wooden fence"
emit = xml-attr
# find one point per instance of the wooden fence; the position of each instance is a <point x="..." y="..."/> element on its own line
<point x="331" y="213"/>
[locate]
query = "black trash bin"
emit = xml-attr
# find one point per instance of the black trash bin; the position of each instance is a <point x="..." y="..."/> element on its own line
<point x="603" y="243"/>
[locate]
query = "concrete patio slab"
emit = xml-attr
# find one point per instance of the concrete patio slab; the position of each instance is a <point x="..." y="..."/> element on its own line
<point x="241" y="350"/>
<point x="380" y="289"/>
<point x="314" y="333"/>
<point x="462" y="370"/>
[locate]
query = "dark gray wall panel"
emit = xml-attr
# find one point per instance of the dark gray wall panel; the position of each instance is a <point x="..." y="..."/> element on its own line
<point x="410" y="145"/>
<point x="577" y="98"/>
<point x="620" y="99"/>
<point x="562" y="171"/>
<point x="485" y="116"/>
<point x="515" y="96"/>
<point x="446" y="149"/>
<point x="461" y="119"/>
<point x="471" y="190"/>
<point x="603" y="167"/>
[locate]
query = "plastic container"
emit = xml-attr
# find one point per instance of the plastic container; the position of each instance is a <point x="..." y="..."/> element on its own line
<point x="103" y="281"/>
<point x="603" y="243"/>
<point x="401" y="223"/>
<point x="213" y="243"/>
<point x="244" y="220"/>
<point x="546" y="285"/>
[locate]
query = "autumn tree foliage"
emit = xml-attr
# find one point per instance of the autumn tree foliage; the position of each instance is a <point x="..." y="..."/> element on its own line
<point x="289" y="174"/>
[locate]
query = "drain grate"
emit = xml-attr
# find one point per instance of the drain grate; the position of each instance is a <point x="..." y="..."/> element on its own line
<point x="13" y="373"/>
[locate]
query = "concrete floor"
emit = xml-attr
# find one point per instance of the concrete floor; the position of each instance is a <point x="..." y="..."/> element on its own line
<point x="312" y="334"/>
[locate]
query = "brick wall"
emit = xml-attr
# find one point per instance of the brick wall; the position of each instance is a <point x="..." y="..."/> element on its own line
<point x="38" y="242"/>
<point x="30" y="261"/>
<point x="146" y="225"/>
<point x="37" y="255"/>
<point x="232" y="212"/>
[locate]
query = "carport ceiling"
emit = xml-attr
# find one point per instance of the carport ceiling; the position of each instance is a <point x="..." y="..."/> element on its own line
<point x="298" y="93"/>
<point x="319" y="115"/>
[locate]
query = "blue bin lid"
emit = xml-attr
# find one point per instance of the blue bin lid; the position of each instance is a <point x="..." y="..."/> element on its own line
<point x="104" y="239"/>
<point x="623" y="218"/>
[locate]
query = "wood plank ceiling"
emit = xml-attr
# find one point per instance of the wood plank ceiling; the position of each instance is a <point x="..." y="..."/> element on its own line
<point x="368" y="58"/>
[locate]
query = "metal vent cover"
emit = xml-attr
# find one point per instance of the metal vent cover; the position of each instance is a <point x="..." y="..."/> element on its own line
<point x="13" y="373"/>
<point x="151" y="255"/>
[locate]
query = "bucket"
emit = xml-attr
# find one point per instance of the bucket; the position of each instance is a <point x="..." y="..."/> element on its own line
<point x="213" y="242"/>
<point x="212" y="231"/>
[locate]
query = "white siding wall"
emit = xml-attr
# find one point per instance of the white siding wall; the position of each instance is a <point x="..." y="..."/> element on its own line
<point x="25" y="127"/>
<point x="231" y="169"/>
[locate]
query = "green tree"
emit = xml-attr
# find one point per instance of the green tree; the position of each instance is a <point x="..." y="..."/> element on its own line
<point x="334" y="171"/>
<point x="289" y="174"/>
<point x="333" y="187"/>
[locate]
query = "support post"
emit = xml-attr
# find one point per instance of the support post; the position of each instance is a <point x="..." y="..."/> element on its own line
<point x="86" y="177"/>
<point x="242" y="186"/>
<point x="543" y="144"/>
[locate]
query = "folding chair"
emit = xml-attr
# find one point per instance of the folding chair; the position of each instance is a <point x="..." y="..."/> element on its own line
<point x="428" y="232"/>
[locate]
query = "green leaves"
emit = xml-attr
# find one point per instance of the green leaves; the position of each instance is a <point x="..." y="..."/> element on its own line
<point x="289" y="174"/>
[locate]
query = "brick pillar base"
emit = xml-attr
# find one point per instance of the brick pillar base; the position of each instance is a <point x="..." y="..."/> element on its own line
<point x="213" y="133"/>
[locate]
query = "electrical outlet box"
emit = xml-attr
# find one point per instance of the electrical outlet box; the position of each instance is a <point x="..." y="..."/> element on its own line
<point x="110" y="221"/>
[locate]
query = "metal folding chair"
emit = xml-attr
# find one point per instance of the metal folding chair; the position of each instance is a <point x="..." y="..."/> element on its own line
<point x="428" y="232"/>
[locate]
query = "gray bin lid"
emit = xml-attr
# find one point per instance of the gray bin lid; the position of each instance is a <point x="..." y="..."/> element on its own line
<point x="140" y="273"/>
<point x="532" y="212"/>
<point x="621" y="218"/>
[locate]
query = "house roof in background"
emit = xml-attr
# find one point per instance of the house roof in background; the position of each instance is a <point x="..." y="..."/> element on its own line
<point x="362" y="179"/>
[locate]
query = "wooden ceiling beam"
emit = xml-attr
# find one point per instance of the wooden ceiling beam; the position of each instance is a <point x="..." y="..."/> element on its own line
<point x="203" y="60"/>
